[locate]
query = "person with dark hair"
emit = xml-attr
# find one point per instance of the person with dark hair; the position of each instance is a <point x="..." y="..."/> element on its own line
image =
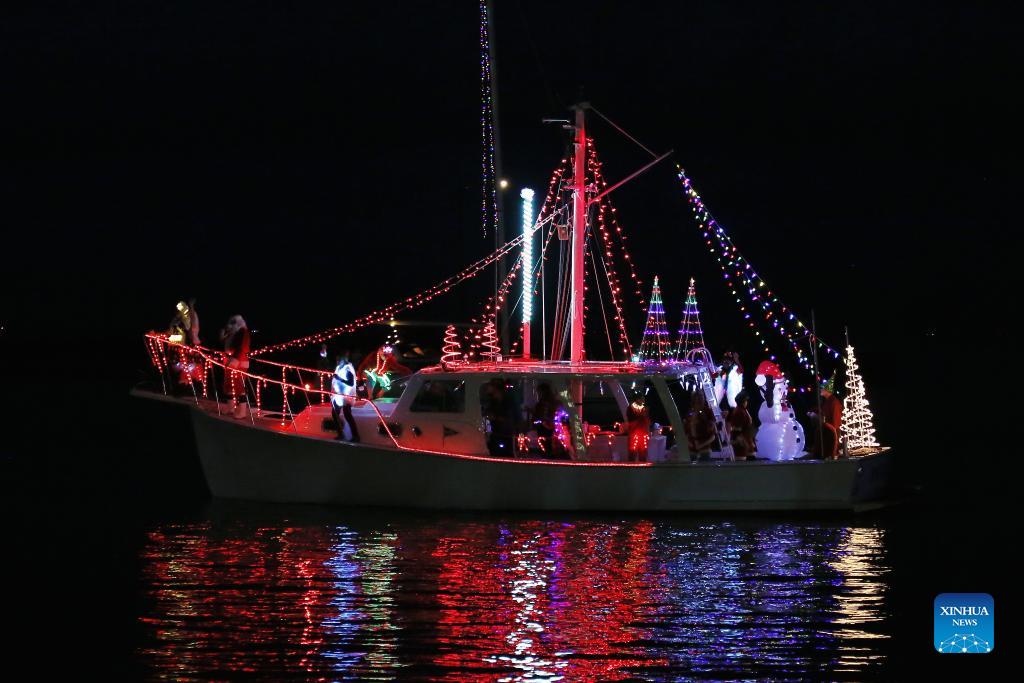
<point x="343" y="395"/>
<point x="700" y="428"/>
<point x="741" y="429"/>
<point x="545" y="421"/>
<point x="323" y="359"/>
<point x="501" y="418"/>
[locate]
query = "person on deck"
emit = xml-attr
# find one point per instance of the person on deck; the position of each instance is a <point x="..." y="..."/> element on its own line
<point x="236" y="339"/>
<point x="832" y="414"/>
<point x="815" y="449"/>
<point x="323" y="360"/>
<point x="184" y="327"/>
<point x="741" y="429"/>
<point x="546" y="416"/>
<point x="378" y="369"/>
<point x="343" y="395"/>
<point x="700" y="428"/>
<point x="500" y="414"/>
<point x="638" y="430"/>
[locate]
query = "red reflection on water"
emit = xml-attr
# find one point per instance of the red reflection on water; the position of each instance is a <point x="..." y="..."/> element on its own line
<point x="226" y="605"/>
<point x="550" y="600"/>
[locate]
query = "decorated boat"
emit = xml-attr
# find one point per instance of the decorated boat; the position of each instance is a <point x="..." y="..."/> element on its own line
<point x="490" y="427"/>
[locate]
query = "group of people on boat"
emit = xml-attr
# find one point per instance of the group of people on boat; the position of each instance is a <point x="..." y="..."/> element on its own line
<point x="189" y="366"/>
<point x="734" y="407"/>
<point x="355" y="377"/>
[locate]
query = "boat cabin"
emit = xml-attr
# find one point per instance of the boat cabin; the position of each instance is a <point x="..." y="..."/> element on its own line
<point x="523" y="410"/>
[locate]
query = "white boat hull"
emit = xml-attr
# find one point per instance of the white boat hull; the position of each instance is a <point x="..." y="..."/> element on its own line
<point x="244" y="461"/>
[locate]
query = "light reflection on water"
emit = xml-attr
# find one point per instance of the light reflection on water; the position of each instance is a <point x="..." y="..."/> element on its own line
<point x="514" y="599"/>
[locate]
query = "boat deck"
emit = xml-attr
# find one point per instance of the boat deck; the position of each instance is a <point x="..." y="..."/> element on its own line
<point x="274" y="422"/>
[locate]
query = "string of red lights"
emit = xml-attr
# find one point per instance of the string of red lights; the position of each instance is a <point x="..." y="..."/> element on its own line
<point x="388" y="312"/>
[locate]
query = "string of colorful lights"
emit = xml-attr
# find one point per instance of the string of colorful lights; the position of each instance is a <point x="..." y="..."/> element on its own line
<point x="744" y="281"/>
<point x="691" y="335"/>
<point x="655" y="347"/>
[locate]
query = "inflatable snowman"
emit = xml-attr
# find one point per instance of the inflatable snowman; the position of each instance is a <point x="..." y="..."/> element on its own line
<point x="729" y="380"/>
<point x="780" y="436"/>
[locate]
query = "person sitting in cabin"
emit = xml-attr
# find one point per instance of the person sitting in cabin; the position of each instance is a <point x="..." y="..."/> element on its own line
<point x="638" y="429"/>
<point x="343" y="395"/>
<point x="500" y="414"/>
<point x="545" y="417"/>
<point x="700" y="428"/>
<point x="236" y="339"/>
<point x="741" y="429"/>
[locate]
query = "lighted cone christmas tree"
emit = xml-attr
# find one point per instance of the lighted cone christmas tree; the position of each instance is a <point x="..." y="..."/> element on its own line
<point x="451" y="352"/>
<point x="691" y="335"/>
<point x="655" y="347"/>
<point x="858" y="423"/>
<point x="490" y="349"/>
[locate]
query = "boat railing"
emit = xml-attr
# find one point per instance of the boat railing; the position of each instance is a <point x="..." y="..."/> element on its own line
<point x="166" y="355"/>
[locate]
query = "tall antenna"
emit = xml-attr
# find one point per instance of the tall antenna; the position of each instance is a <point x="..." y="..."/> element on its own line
<point x="501" y="269"/>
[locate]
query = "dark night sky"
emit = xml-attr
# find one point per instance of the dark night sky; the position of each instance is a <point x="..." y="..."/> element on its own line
<point x="304" y="163"/>
<point x="247" y="153"/>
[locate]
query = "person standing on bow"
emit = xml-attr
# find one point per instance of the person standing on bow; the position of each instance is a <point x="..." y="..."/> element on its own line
<point x="184" y="330"/>
<point x="343" y="395"/>
<point x="236" y="339"/>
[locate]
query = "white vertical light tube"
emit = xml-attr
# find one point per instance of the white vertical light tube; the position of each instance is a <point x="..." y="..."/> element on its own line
<point x="526" y="194"/>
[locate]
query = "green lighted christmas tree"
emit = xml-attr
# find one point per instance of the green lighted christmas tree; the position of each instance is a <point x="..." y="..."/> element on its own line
<point x="655" y="346"/>
<point x="858" y="422"/>
<point x="691" y="335"/>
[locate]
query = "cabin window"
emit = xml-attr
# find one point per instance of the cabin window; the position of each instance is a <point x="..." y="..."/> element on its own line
<point x="440" y="396"/>
<point x="601" y="405"/>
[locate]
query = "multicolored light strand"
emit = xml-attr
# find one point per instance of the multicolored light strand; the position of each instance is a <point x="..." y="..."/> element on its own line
<point x="655" y="347"/>
<point x="691" y="334"/>
<point x="743" y="280"/>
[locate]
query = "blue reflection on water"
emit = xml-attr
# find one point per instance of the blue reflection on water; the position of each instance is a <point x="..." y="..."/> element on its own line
<point x="515" y="599"/>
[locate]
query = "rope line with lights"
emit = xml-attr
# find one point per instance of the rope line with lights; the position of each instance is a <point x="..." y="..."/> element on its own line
<point x="743" y="280"/>
<point x="388" y="312"/>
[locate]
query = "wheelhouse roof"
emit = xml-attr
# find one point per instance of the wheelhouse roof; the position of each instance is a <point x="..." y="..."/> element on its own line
<point x="589" y="368"/>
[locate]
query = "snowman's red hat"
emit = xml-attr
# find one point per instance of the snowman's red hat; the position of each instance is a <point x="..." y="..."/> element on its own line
<point x="769" y="369"/>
